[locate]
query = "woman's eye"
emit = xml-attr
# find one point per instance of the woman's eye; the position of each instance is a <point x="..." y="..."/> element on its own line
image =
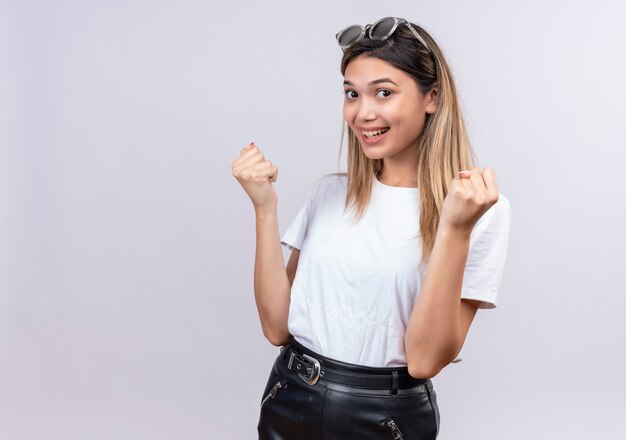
<point x="348" y="95"/>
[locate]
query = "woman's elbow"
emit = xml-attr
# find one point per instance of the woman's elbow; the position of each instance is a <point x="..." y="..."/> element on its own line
<point x="423" y="371"/>
<point x="277" y="339"/>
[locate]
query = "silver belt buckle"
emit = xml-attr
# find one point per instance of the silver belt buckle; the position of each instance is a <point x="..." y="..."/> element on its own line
<point x="315" y="372"/>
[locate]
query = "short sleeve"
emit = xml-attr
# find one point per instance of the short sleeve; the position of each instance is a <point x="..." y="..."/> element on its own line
<point x="487" y="254"/>
<point x="296" y="232"/>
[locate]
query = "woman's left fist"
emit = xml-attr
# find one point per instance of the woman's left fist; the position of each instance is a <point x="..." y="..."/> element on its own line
<point x="471" y="194"/>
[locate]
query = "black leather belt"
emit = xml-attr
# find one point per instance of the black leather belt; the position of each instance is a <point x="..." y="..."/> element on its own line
<point x="311" y="369"/>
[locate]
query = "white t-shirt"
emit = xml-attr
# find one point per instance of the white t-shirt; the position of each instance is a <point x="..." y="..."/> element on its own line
<point x="356" y="284"/>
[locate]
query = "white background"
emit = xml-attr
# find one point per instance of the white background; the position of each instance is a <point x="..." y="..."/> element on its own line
<point x="127" y="247"/>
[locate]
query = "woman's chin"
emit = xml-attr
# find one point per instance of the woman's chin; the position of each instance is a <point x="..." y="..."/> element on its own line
<point x="371" y="152"/>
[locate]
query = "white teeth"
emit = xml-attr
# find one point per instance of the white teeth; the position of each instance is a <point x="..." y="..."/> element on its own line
<point x="371" y="134"/>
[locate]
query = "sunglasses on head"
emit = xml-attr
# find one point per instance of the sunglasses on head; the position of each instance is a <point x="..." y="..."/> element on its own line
<point x="380" y="30"/>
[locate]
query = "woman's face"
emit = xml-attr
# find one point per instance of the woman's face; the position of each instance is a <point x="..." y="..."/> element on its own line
<point x="381" y="96"/>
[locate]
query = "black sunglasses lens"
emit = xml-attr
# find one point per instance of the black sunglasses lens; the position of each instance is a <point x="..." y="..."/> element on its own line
<point x="349" y="35"/>
<point x="382" y="28"/>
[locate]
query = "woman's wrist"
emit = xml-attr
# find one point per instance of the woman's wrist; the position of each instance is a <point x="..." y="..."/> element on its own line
<point x="454" y="233"/>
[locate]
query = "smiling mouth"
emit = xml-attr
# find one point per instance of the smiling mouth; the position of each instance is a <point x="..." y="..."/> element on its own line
<point x="373" y="134"/>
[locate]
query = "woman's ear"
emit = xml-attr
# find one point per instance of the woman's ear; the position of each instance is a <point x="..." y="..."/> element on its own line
<point x="431" y="99"/>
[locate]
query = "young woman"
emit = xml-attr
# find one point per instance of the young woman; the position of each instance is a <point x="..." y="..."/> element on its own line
<point x="389" y="261"/>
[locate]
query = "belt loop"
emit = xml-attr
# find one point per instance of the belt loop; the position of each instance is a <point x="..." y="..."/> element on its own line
<point x="284" y="351"/>
<point x="394" y="382"/>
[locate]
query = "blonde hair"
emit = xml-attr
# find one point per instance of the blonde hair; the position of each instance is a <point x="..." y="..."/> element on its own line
<point x="443" y="146"/>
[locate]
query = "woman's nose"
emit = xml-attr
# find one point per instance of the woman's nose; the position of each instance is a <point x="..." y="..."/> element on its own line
<point x="366" y="112"/>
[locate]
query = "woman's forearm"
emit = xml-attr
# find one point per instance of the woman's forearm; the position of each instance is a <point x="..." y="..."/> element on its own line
<point x="272" y="289"/>
<point x="433" y="334"/>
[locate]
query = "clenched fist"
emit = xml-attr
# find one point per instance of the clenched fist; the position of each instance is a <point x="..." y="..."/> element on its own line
<point x="255" y="175"/>
<point x="471" y="194"/>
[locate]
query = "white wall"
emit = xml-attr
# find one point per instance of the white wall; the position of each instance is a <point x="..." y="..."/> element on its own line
<point x="127" y="248"/>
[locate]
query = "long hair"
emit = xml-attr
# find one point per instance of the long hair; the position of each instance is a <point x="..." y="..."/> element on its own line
<point x="443" y="146"/>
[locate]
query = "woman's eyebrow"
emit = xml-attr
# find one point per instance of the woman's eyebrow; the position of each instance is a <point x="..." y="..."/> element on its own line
<point x="376" y="81"/>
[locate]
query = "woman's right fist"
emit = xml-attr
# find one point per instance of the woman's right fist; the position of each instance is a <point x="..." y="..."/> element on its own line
<point x="255" y="175"/>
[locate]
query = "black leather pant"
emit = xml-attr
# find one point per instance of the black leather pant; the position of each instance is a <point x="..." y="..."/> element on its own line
<point x="339" y="400"/>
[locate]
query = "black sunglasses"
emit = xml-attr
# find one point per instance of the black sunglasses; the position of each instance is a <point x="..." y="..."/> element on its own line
<point x="380" y="30"/>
